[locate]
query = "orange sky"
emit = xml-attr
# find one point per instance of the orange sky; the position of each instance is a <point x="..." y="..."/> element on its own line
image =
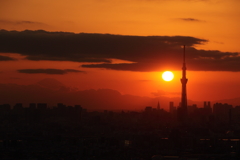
<point x="217" y="21"/>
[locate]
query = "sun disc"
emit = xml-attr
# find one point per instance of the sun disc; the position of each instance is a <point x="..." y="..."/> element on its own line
<point x="167" y="76"/>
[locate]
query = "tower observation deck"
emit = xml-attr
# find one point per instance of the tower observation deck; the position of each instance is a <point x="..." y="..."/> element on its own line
<point x="182" y="110"/>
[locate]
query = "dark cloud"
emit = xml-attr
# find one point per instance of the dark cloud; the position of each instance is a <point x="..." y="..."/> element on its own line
<point x="177" y="0"/>
<point x="148" y="53"/>
<point x="73" y="59"/>
<point x="27" y="22"/>
<point x="49" y="71"/>
<point x="2" y="21"/>
<point x="190" y="19"/>
<point x="6" y="58"/>
<point x="141" y="66"/>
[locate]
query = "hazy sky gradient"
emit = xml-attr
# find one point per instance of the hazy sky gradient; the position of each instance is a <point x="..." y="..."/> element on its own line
<point x="125" y="45"/>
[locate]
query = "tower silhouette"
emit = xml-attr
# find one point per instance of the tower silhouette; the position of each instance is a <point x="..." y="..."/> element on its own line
<point x="182" y="110"/>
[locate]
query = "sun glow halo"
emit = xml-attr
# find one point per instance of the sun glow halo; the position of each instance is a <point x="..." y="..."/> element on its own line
<point x="167" y="76"/>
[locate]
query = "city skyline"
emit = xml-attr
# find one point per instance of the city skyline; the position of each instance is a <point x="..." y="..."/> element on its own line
<point x="74" y="132"/>
<point x="122" y="46"/>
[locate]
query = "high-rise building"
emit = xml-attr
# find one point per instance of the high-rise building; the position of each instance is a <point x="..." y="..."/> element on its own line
<point x="182" y="110"/>
<point x="32" y="106"/>
<point x="148" y="109"/>
<point x="209" y="104"/>
<point x="172" y="109"/>
<point x="222" y="112"/>
<point x="207" y="108"/>
<point x="158" y="106"/>
<point x="42" y="106"/>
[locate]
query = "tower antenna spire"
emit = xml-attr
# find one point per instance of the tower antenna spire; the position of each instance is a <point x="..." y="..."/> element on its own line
<point x="183" y="111"/>
<point x="183" y="53"/>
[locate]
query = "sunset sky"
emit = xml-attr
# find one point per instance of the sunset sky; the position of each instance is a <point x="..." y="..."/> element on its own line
<point x="124" y="45"/>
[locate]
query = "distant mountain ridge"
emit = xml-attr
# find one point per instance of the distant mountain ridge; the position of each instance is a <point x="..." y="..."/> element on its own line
<point x="52" y="91"/>
<point x="50" y="83"/>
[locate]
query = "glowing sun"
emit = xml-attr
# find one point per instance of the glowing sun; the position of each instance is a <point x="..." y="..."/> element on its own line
<point x="167" y="76"/>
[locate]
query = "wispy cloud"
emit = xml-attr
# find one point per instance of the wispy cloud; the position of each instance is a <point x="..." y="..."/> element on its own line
<point x="6" y="58"/>
<point x="2" y="21"/>
<point x="190" y="19"/>
<point x="49" y="71"/>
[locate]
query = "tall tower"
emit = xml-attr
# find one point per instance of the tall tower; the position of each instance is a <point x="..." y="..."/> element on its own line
<point x="183" y="111"/>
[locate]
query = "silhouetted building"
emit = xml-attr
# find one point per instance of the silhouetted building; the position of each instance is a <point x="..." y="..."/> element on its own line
<point x="18" y="106"/>
<point x="192" y="109"/>
<point x="222" y="112"/>
<point x="32" y="106"/>
<point x="42" y="106"/>
<point x="182" y="110"/>
<point x="172" y="109"/>
<point x="61" y="106"/>
<point x="5" y="109"/>
<point x="158" y="106"/>
<point x="78" y="112"/>
<point x="209" y="104"/>
<point x="148" y="109"/>
<point x="207" y="110"/>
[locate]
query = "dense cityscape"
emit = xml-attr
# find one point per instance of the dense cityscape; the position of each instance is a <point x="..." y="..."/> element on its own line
<point x="71" y="132"/>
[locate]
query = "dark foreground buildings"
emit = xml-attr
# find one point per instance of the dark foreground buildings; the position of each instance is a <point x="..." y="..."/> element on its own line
<point x="70" y="132"/>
